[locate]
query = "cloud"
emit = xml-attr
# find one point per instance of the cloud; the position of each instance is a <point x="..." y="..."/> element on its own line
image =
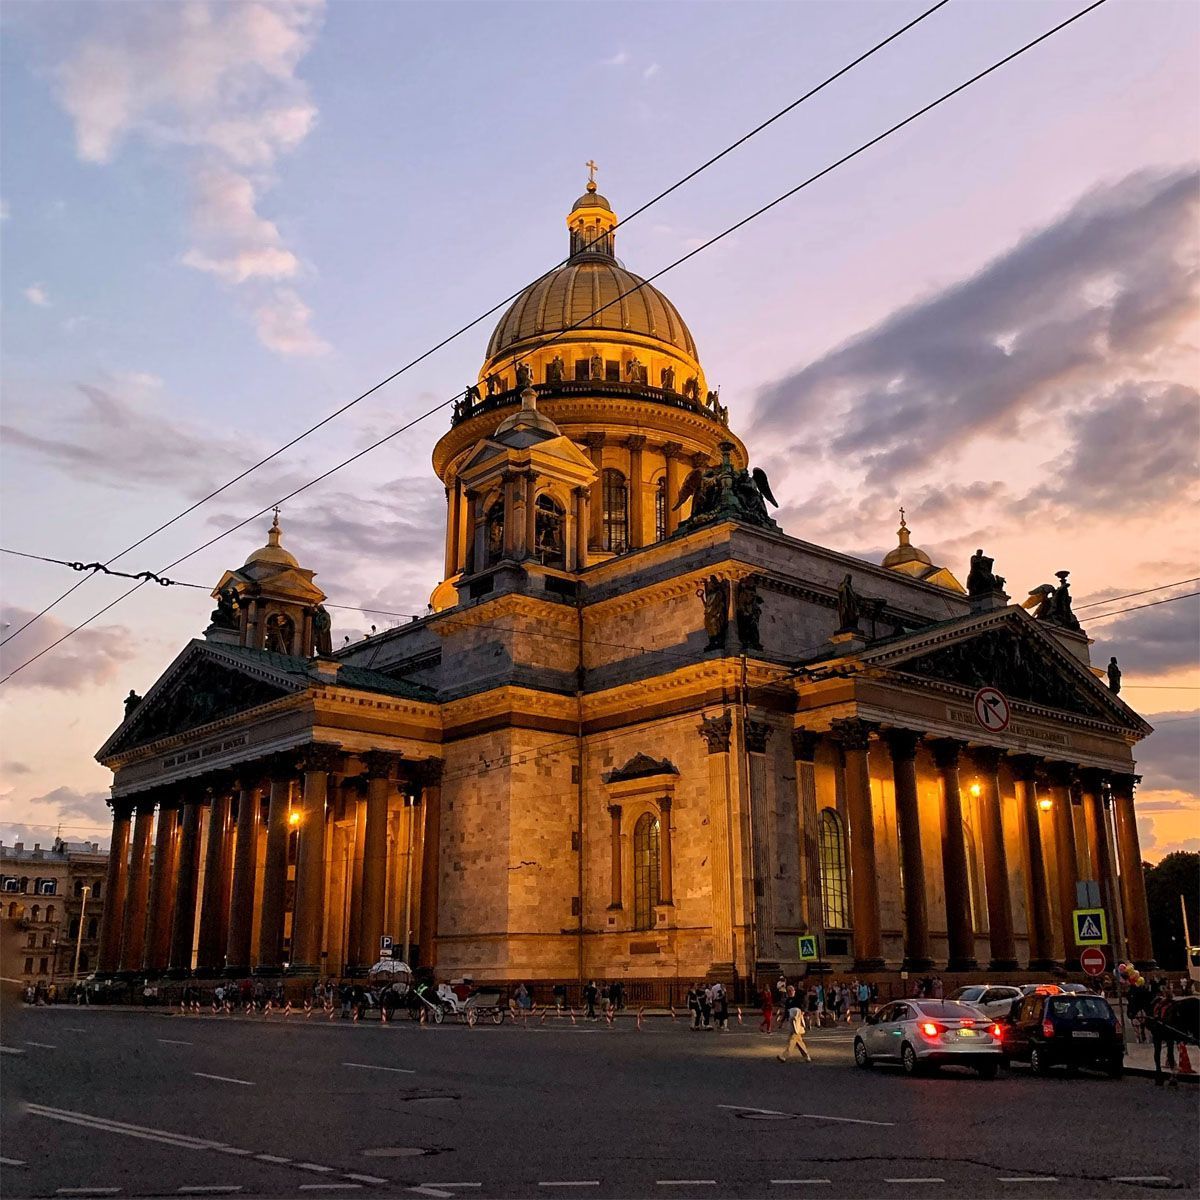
<point x="1151" y="640"/>
<point x="220" y="81"/>
<point x="82" y="816"/>
<point x="1169" y="759"/>
<point x="617" y="60"/>
<point x="93" y="656"/>
<point x="652" y="70"/>
<point x="283" y="325"/>
<point x="36" y="295"/>
<point x="5" y="210"/>
<point x="1099" y="300"/>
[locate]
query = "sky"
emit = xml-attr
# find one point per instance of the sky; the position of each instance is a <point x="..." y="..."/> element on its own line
<point x="219" y="222"/>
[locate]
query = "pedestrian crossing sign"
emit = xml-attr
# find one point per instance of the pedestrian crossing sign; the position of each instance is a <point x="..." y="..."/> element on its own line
<point x="808" y="947"/>
<point x="1091" y="929"/>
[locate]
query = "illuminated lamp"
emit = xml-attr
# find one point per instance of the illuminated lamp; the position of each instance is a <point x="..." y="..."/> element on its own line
<point x="293" y="818"/>
<point x="1045" y="804"/>
<point x="976" y="790"/>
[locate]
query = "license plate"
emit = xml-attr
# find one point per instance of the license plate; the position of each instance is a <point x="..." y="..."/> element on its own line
<point x="1084" y="1033"/>
<point x="967" y="1033"/>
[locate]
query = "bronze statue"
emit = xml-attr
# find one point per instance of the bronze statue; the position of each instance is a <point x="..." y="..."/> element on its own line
<point x="322" y="631"/>
<point x="1054" y="603"/>
<point x="524" y="377"/>
<point x="724" y="492"/>
<point x="748" y="607"/>
<point x="1114" y="676"/>
<point x="494" y="383"/>
<point x="848" y="606"/>
<point x="980" y="579"/>
<point x="715" y="595"/>
<point x="597" y="367"/>
<point x="133" y="700"/>
<point x="635" y="372"/>
<point x="691" y="388"/>
<point x="668" y="378"/>
<point x="554" y="370"/>
<point x="225" y="615"/>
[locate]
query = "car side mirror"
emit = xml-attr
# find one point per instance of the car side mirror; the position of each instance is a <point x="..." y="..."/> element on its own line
<point x="872" y="1018"/>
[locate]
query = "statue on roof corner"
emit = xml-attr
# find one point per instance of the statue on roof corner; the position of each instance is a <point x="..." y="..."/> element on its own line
<point x="980" y="578"/>
<point x="1114" y="676"/>
<point x="1054" y="603"/>
<point x="322" y="624"/>
<point x="133" y="700"/>
<point x="726" y="493"/>
<point x="225" y="615"/>
<point x="524" y="377"/>
<point x="848" y="606"/>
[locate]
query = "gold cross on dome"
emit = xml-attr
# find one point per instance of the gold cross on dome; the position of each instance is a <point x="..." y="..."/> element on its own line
<point x="592" y="169"/>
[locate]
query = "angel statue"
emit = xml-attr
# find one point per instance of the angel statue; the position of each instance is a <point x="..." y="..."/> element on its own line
<point x="724" y="492"/>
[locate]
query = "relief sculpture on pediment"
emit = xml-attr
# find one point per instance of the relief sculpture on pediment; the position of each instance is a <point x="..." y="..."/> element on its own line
<point x="207" y="692"/>
<point x="1001" y="659"/>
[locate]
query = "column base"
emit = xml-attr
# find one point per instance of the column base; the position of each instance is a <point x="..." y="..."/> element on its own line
<point x="236" y="971"/>
<point x="1003" y="964"/>
<point x="303" y="969"/>
<point x="269" y="972"/>
<point x="869" y="964"/>
<point x="1044" y="964"/>
<point x="963" y="964"/>
<point x="917" y="964"/>
<point x="178" y="972"/>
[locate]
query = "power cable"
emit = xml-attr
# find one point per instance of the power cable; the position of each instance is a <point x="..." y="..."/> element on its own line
<point x="1162" y="587"/>
<point x="1135" y="607"/>
<point x="616" y="300"/>
<point x="495" y="307"/>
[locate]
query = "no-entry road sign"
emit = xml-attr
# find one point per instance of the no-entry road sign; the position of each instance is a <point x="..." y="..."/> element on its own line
<point x="991" y="709"/>
<point x="1093" y="961"/>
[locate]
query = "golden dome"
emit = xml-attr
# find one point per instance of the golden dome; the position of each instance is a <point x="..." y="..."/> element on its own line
<point x="272" y="553"/>
<point x="905" y="552"/>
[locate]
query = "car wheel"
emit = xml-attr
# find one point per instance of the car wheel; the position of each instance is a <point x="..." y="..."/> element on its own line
<point x="988" y="1070"/>
<point x="1037" y="1062"/>
<point x="909" y="1060"/>
<point x="861" y="1057"/>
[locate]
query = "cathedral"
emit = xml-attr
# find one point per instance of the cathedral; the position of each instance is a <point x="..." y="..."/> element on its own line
<point x="641" y="732"/>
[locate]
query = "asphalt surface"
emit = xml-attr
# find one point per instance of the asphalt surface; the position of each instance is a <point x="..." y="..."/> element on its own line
<point x="102" y="1102"/>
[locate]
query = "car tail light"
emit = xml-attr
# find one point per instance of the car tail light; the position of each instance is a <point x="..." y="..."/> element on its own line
<point x="930" y="1030"/>
<point x="1047" y="1029"/>
<point x="1119" y="1029"/>
<point x="967" y="1022"/>
<point x="997" y="1032"/>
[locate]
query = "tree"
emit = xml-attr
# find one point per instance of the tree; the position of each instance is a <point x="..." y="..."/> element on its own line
<point x="1177" y="875"/>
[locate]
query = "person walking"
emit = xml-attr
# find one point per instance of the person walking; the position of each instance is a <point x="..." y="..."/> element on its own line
<point x="768" y="1011"/>
<point x="590" y="995"/>
<point x="721" y="1006"/>
<point x="864" y="1000"/>
<point x="796" y="1041"/>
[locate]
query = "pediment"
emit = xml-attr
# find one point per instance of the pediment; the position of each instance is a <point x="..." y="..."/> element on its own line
<point x="200" y="687"/>
<point x="642" y="766"/>
<point x="1009" y="652"/>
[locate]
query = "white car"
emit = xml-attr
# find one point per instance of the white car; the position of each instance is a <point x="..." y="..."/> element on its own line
<point x="995" y="999"/>
<point x="921" y="1033"/>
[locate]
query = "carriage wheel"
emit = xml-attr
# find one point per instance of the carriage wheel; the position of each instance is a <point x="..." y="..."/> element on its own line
<point x="498" y="1017"/>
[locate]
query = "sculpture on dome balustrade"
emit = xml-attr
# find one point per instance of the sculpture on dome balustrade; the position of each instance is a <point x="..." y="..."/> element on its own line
<point x="554" y="369"/>
<point x="524" y="376"/>
<point x="668" y="379"/>
<point x="691" y="388"/>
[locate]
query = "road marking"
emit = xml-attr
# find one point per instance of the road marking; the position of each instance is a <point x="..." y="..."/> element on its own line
<point x="223" y="1078"/>
<point x="373" y="1067"/>
<point x="427" y="1190"/>
<point x="233" y="1150"/>
<point x="686" y="1182"/>
<point x="11" y="1162"/>
<point x="845" y="1120"/>
<point x="766" y="1112"/>
<point x="42" y="1045"/>
<point x="272" y="1158"/>
<point x="87" y="1191"/>
<point x="917" y="1179"/>
<point x="307" y="1166"/>
<point x="371" y="1178"/>
<point x="182" y="1141"/>
<point x="76" y="1029"/>
<point x="1028" y="1179"/>
<point x="787" y="1181"/>
<point x="173" y="1042"/>
<point x="210" y="1188"/>
<point x="10" y="1050"/>
<point x="569" y="1183"/>
<point x="1141" y="1179"/>
<point x="326" y="1187"/>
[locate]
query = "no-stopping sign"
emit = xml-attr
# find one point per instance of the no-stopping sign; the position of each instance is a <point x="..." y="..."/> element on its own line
<point x="991" y="710"/>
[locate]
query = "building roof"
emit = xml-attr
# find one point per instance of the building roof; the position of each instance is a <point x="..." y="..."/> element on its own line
<point x="304" y="670"/>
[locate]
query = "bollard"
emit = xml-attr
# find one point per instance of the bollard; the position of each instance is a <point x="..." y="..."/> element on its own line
<point x="639" y="1018"/>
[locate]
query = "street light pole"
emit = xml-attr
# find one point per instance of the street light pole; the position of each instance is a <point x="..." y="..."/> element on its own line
<point x="410" y="805"/>
<point x="79" y="935"/>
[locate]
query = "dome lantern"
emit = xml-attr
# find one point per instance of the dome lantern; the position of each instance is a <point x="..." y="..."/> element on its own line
<point x="591" y="222"/>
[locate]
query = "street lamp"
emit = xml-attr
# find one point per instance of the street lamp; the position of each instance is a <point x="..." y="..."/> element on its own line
<point x="79" y="935"/>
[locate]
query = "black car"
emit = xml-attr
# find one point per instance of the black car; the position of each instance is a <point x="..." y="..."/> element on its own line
<point x="1065" y="1030"/>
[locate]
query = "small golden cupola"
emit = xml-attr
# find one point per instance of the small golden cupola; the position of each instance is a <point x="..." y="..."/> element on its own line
<point x="912" y="560"/>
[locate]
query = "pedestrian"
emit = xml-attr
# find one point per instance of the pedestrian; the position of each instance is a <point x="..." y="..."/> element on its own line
<point x="767" y="1000"/>
<point x="864" y="1000"/>
<point x="618" y="995"/>
<point x="796" y="1041"/>
<point x="591" y="994"/>
<point x="706" y="1006"/>
<point x="721" y="1006"/>
<point x="1161" y="1034"/>
<point x="346" y="997"/>
<point x="560" y="997"/>
<point x="939" y="989"/>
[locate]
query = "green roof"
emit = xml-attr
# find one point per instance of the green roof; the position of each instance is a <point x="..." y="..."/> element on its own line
<point x="304" y="670"/>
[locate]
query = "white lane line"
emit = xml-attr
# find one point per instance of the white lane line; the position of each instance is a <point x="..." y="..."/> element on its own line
<point x="42" y="1045"/>
<point x="766" y="1112"/>
<point x="209" y="1189"/>
<point x="10" y="1050"/>
<point x="233" y="1150"/>
<point x="368" y="1178"/>
<point x="173" y="1042"/>
<point x="223" y="1078"/>
<point x="11" y="1162"/>
<point x="686" y="1182"/>
<point x="87" y="1191"/>
<point x="917" y="1179"/>
<point x="329" y="1187"/>
<point x="568" y="1183"/>
<point x="845" y="1120"/>
<point x="428" y="1190"/>
<point x="76" y="1029"/>
<point x="1028" y="1179"/>
<point x="1141" y="1179"/>
<point x="373" y="1067"/>
<point x="788" y="1181"/>
<point x="272" y="1158"/>
<point x="178" y="1140"/>
<point x="307" y="1166"/>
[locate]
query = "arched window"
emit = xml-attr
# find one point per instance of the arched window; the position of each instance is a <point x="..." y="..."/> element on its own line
<point x="977" y="897"/>
<point x="12" y="909"/>
<point x="616" y="512"/>
<point x="36" y="913"/>
<point x="74" y="928"/>
<point x="91" y="929"/>
<point x="49" y="912"/>
<point x="831" y="850"/>
<point x="493" y="525"/>
<point x="646" y="870"/>
<point x="660" y="509"/>
<point x="549" y="533"/>
<point x="83" y="960"/>
<point x="281" y="633"/>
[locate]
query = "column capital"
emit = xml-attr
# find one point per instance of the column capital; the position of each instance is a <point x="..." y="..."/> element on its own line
<point x="635" y="441"/>
<point x="715" y="731"/>
<point x="664" y="803"/>
<point x="594" y="439"/>
<point x="1025" y="767"/>
<point x="121" y="806"/>
<point x="672" y="450"/>
<point x="902" y="742"/>
<point x="757" y="733"/>
<point x="427" y="772"/>
<point x="987" y="758"/>
<point x="614" y="811"/>
<point x="804" y="744"/>
<point x="379" y="763"/>
<point x="699" y="460"/>
<point x="852" y="733"/>
<point x="319" y="757"/>
<point x="1093" y="779"/>
<point x="1060" y="774"/>
<point x="946" y="751"/>
<point x="1123" y="784"/>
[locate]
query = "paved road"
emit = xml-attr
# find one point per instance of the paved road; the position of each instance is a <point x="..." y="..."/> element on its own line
<point x="100" y="1102"/>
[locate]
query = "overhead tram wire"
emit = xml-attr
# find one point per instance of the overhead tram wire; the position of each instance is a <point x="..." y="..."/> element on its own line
<point x="495" y="308"/>
<point x="1162" y="587"/>
<point x="616" y="300"/>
